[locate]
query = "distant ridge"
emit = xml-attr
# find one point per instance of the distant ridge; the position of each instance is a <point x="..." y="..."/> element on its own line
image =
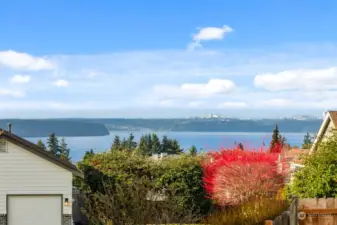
<point x="101" y="127"/>
<point x="61" y="127"/>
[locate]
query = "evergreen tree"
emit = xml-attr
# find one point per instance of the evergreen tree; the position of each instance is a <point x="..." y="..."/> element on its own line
<point x="64" y="150"/>
<point x="240" y="146"/>
<point x="131" y="143"/>
<point x="193" y="150"/>
<point x="283" y="140"/>
<point x="41" y="144"/>
<point x="124" y="144"/>
<point x="307" y="141"/>
<point x="155" y="144"/>
<point x="88" y="155"/>
<point x="148" y="141"/>
<point x="53" y="144"/>
<point x="145" y="145"/>
<point x="116" y="145"/>
<point x="141" y="148"/>
<point x="165" y="144"/>
<point x="275" y="138"/>
<point x="174" y="147"/>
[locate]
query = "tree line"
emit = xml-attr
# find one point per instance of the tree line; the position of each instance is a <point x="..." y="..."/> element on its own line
<point x="150" y="144"/>
<point x="277" y="138"/>
<point x="56" y="146"/>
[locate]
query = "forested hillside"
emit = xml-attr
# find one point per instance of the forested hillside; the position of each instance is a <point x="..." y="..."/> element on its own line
<point x="42" y="128"/>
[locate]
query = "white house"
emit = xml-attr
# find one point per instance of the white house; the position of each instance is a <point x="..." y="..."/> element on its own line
<point x="35" y="186"/>
<point x="326" y="130"/>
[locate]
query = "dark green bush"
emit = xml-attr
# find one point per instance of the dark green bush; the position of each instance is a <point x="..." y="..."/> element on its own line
<point x="117" y="185"/>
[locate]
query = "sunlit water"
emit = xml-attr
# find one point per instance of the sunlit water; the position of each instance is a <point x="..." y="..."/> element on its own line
<point x="202" y="140"/>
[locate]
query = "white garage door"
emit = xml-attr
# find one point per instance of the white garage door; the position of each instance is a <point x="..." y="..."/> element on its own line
<point x="34" y="210"/>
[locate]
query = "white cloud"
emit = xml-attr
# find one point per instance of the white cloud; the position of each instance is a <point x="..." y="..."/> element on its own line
<point x="207" y="34"/>
<point x="20" y="79"/>
<point x="232" y="105"/>
<point x="12" y="93"/>
<point x="193" y="104"/>
<point x="199" y="80"/>
<point x="24" y="61"/>
<point x="212" y="33"/>
<point x="319" y="79"/>
<point x="43" y="105"/>
<point x="61" y="83"/>
<point x="196" y="90"/>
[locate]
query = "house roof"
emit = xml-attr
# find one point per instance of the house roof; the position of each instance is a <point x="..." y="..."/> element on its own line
<point x="33" y="148"/>
<point x="333" y="117"/>
<point x="294" y="155"/>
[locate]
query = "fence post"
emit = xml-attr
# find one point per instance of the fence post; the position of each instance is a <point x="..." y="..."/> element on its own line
<point x="268" y="222"/>
<point x="293" y="211"/>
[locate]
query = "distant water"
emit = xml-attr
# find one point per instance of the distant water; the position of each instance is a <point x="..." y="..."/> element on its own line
<point x="202" y="140"/>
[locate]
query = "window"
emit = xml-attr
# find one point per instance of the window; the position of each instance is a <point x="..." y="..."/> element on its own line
<point x="3" y="146"/>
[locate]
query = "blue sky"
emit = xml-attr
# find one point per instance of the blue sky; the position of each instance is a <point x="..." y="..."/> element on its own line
<point x="259" y="58"/>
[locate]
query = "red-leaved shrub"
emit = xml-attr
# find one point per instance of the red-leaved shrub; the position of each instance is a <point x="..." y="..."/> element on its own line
<point x="232" y="176"/>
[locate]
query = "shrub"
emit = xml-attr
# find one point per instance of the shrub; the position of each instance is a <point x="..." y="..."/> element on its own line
<point x="252" y="212"/>
<point x="132" y="204"/>
<point x="233" y="176"/>
<point x="318" y="177"/>
<point x="182" y="177"/>
<point x="116" y="185"/>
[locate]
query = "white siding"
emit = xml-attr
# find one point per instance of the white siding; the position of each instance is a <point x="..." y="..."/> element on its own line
<point x="329" y="131"/>
<point x="22" y="172"/>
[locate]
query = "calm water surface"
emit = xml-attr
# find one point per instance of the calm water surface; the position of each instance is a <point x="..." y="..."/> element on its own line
<point x="202" y="140"/>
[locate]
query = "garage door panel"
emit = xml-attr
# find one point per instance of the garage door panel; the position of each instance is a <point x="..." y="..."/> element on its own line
<point x="34" y="210"/>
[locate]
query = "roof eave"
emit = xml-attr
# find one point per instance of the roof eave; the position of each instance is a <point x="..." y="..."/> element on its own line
<point x="321" y="132"/>
<point x="65" y="165"/>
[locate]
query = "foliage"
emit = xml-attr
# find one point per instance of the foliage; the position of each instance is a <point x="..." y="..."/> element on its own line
<point x="131" y="144"/>
<point x="123" y="203"/>
<point x="278" y="142"/>
<point x="193" y="150"/>
<point x="155" y="144"/>
<point x="56" y="147"/>
<point x="116" y="145"/>
<point x="41" y="144"/>
<point x="319" y="175"/>
<point x="64" y="150"/>
<point x="240" y="146"/>
<point x="111" y="178"/>
<point x="150" y="144"/>
<point x="182" y="178"/>
<point x="307" y="141"/>
<point x="253" y="212"/>
<point x="275" y="137"/>
<point x="233" y="176"/>
<point x="53" y="144"/>
<point x="145" y="145"/>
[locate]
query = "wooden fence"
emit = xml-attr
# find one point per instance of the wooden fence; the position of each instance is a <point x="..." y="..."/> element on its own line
<point x="288" y="217"/>
<point x="318" y="211"/>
